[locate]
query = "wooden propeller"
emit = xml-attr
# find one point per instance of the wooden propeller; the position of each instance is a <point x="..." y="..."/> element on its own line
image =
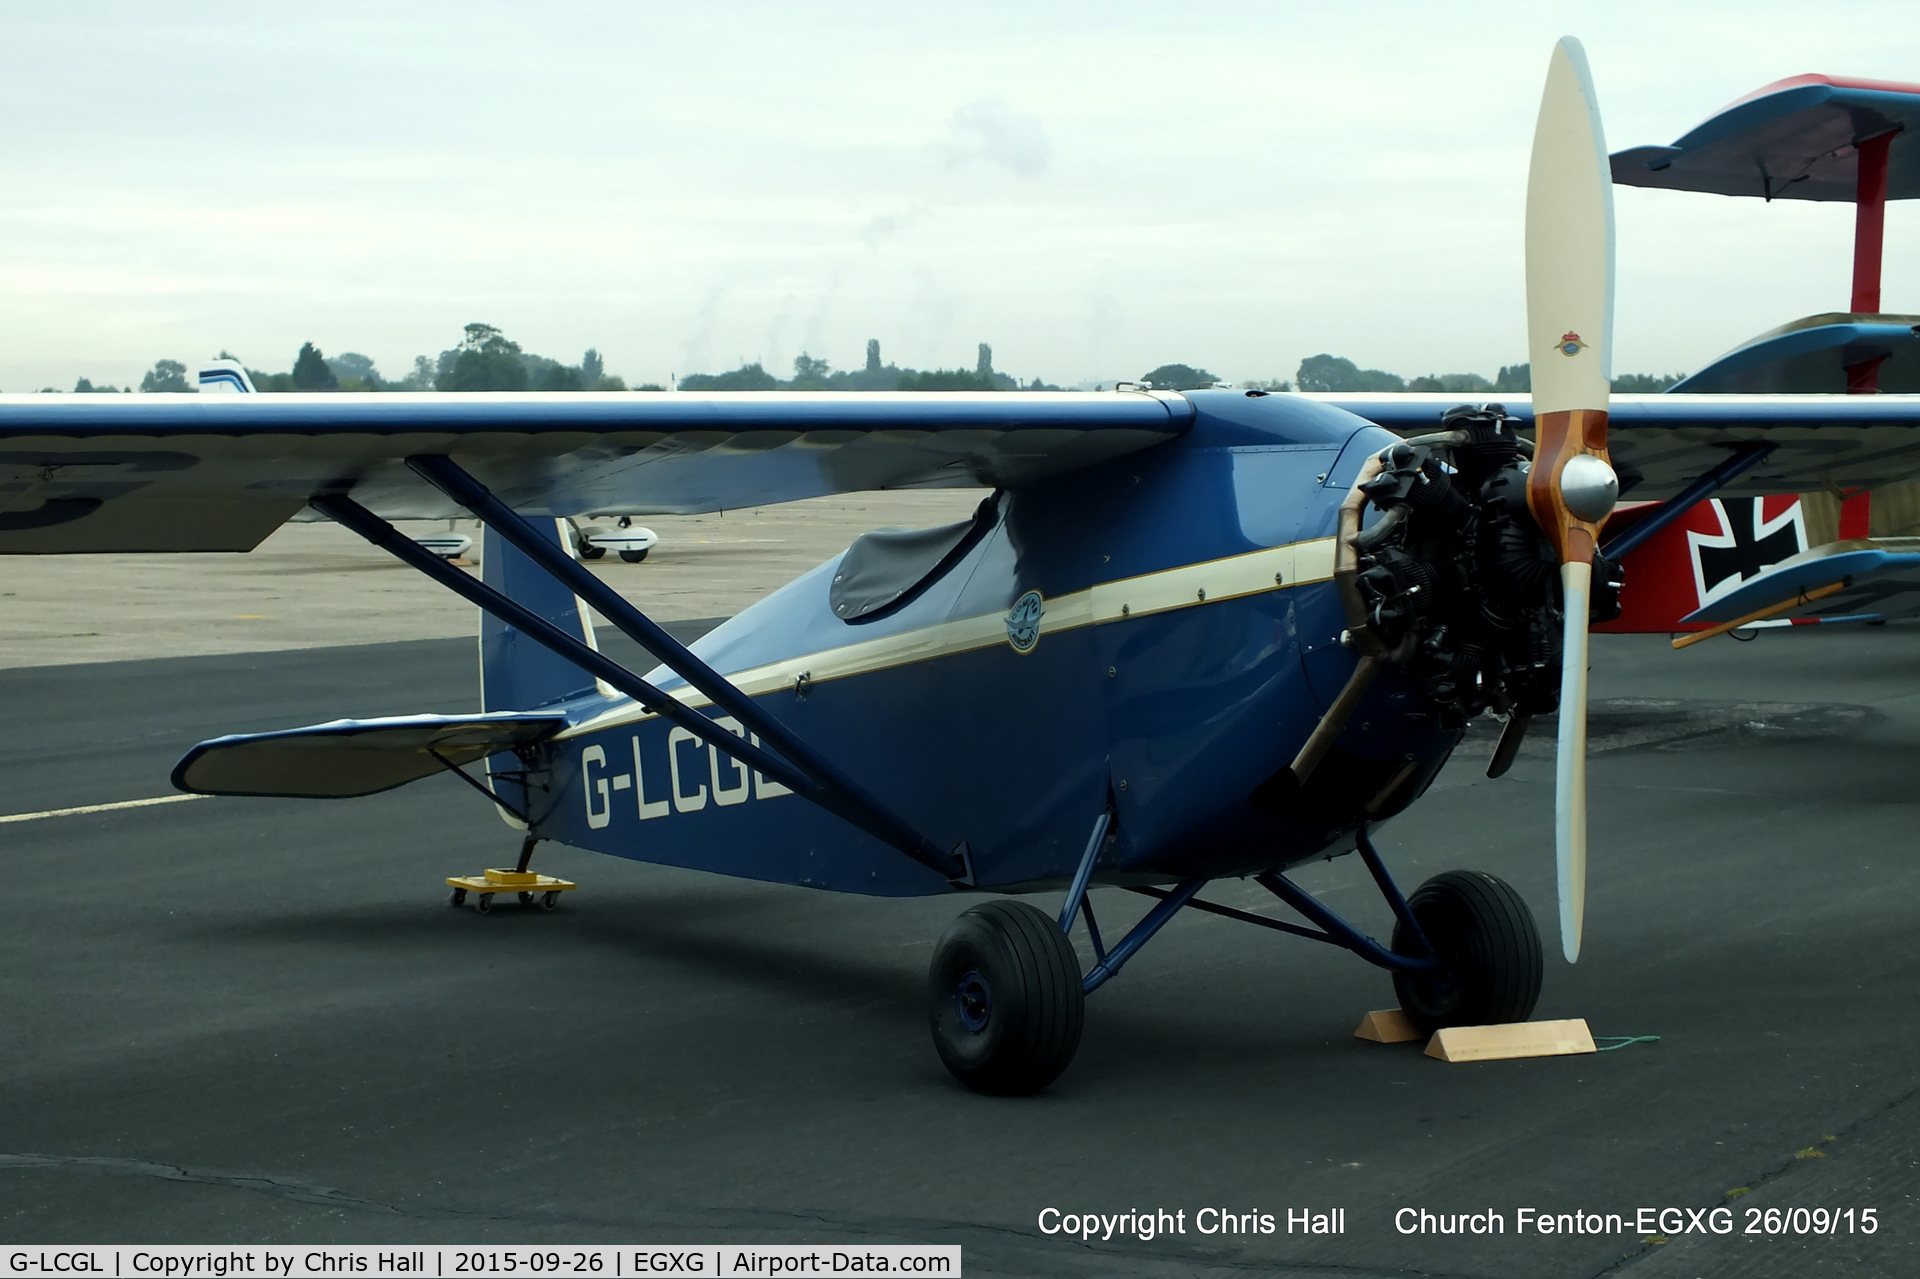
<point x="1572" y="486"/>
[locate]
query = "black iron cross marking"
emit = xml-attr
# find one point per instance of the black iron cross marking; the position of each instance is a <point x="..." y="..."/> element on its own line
<point x="1750" y="553"/>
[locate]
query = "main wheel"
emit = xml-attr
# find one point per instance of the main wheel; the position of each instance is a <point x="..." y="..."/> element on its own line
<point x="1004" y="999"/>
<point x="588" y="551"/>
<point x="1489" y="950"/>
<point x="634" y="557"/>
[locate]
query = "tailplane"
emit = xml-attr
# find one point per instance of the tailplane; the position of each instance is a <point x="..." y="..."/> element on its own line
<point x="521" y="685"/>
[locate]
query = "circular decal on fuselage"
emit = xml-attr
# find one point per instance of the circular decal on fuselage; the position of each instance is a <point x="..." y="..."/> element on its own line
<point x="1023" y="622"/>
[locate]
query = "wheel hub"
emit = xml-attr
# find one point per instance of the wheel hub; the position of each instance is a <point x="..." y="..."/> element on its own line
<point x="1436" y="993"/>
<point x="974" y="1000"/>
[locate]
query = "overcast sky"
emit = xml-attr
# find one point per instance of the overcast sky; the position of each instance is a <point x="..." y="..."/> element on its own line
<point x="1093" y="188"/>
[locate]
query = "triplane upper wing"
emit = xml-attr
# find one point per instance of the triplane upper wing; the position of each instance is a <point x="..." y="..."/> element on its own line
<point x="1795" y="139"/>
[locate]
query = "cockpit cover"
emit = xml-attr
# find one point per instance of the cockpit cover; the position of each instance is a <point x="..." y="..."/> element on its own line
<point x="885" y="567"/>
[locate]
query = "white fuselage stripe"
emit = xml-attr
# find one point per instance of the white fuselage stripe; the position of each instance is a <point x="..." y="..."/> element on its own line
<point x="1189" y="586"/>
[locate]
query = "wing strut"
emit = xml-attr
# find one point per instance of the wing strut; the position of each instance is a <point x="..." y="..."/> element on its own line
<point x="807" y="776"/>
<point x="1743" y="458"/>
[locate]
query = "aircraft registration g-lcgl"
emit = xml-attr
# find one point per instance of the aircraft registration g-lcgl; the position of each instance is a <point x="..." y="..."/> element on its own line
<point x="1189" y="636"/>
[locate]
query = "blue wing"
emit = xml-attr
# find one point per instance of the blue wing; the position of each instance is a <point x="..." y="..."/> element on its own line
<point x="221" y="472"/>
<point x="211" y="472"/>
<point x="1662" y="443"/>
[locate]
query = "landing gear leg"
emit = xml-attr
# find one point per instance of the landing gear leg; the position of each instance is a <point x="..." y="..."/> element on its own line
<point x="1465" y="948"/>
<point x="1005" y="997"/>
<point x="526" y="857"/>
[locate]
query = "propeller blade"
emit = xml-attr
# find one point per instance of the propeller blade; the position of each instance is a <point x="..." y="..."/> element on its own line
<point x="1570" y="763"/>
<point x="1571" y="487"/>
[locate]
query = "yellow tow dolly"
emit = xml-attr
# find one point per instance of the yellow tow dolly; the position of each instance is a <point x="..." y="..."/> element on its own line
<point x="519" y="880"/>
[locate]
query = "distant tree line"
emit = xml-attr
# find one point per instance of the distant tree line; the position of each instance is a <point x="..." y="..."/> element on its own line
<point x="1645" y="383"/>
<point x="811" y="374"/>
<point x="1333" y="373"/>
<point x="485" y="359"/>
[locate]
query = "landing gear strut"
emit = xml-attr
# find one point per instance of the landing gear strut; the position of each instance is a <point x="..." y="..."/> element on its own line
<point x="1006" y="997"/>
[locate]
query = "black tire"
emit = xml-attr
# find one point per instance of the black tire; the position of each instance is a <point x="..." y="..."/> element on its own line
<point x="550" y="900"/>
<point x="526" y="899"/>
<point x="1489" y="950"/>
<point x="634" y="557"/>
<point x="459" y="897"/>
<point x="484" y="903"/>
<point x="588" y="551"/>
<point x="1004" y="999"/>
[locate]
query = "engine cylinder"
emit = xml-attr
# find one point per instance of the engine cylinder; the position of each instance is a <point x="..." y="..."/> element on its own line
<point x="1461" y="585"/>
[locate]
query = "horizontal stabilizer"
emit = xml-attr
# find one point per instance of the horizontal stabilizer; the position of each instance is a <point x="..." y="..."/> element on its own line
<point x="350" y="757"/>
<point x="1879" y="575"/>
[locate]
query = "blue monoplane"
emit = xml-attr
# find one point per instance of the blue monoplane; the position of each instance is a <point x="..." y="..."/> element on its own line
<point x="1189" y="636"/>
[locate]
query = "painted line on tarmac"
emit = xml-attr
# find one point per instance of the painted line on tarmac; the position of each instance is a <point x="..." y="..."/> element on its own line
<point x="100" y="808"/>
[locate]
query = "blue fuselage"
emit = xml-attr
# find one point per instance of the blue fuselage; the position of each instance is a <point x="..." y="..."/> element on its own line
<point x="1188" y="642"/>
